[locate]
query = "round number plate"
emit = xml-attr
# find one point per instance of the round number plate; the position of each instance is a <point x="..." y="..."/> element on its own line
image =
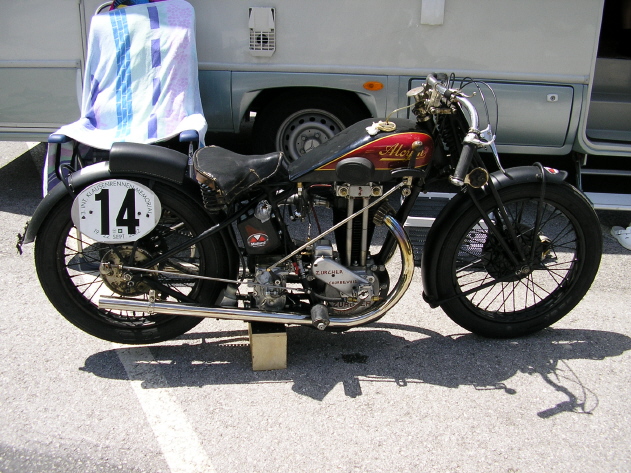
<point x="116" y="211"/>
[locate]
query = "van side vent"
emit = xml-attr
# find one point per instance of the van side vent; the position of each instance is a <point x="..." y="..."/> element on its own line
<point x="262" y="24"/>
<point x="433" y="12"/>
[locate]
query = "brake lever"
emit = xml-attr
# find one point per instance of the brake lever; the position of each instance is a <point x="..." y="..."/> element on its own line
<point x="487" y="134"/>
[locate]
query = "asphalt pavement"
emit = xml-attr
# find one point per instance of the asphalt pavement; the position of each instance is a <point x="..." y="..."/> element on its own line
<point x="411" y="393"/>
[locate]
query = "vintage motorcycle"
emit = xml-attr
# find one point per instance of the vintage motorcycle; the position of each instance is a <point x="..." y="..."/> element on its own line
<point x="141" y="247"/>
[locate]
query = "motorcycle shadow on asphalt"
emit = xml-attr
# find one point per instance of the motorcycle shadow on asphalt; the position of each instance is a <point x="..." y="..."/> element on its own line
<point x="387" y="353"/>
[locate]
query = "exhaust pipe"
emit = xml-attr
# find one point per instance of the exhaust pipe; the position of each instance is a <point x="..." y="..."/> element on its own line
<point x="177" y="308"/>
<point x="230" y="313"/>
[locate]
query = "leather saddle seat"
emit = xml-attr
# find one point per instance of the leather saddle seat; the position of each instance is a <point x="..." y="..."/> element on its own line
<point x="229" y="175"/>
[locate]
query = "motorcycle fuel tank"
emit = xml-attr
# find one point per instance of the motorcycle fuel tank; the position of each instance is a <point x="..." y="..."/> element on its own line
<point x="373" y="156"/>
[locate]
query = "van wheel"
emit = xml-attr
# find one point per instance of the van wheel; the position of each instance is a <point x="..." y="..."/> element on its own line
<point x="300" y="123"/>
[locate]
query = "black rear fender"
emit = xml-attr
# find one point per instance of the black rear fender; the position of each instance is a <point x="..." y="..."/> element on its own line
<point x="143" y="163"/>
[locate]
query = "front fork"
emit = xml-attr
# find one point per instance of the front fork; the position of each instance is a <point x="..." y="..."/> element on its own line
<point x="516" y="252"/>
<point x="505" y="238"/>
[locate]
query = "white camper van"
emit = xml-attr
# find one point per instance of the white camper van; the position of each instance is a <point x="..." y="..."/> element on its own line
<point x="561" y="70"/>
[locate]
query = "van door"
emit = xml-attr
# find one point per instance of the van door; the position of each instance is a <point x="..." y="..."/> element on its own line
<point x="609" y="116"/>
<point x="528" y="114"/>
<point x="40" y="67"/>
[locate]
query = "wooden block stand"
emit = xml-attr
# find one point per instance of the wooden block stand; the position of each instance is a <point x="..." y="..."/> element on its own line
<point x="268" y="346"/>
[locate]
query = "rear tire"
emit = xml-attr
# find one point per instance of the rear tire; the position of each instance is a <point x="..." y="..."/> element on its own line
<point x="567" y="255"/>
<point x="67" y="264"/>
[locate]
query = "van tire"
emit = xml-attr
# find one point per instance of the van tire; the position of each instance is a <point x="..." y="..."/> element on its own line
<point x="296" y="124"/>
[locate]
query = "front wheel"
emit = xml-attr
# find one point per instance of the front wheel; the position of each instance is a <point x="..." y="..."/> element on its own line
<point x="69" y="269"/>
<point x="483" y="290"/>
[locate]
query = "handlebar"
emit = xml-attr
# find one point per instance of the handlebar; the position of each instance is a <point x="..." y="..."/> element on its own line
<point x="469" y="143"/>
<point x="464" y="162"/>
<point x="437" y="83"/>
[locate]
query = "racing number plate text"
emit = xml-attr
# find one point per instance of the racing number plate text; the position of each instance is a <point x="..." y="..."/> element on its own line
<point x="116" y="211"/>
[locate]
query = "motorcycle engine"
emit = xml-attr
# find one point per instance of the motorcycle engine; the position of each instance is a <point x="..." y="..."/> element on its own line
<point x="269" y="289"/>
<point x="347" y="290"/>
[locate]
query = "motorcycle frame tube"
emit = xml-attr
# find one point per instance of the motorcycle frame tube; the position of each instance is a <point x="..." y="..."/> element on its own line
<point x="174" y="308"/>
<point x="223" y="225"/>
<point x="349" y="229"/>
<point x="338" y="225"/>
<point x="386" y="251"/>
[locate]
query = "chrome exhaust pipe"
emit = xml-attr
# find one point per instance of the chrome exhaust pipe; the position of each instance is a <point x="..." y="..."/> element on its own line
<point x="177" y="308"/>
<point x="229" y="313"/>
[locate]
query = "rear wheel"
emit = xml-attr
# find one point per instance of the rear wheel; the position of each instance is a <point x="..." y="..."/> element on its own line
<point x="488" y="293"/>
<point x="69" y="269"/>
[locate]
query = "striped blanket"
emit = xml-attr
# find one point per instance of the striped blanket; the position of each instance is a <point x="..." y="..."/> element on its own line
<point x="141" y="79"/>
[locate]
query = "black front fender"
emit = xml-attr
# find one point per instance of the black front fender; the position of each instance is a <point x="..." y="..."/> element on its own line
<point x="525" y="174"/>
<point x="459" y="205"/>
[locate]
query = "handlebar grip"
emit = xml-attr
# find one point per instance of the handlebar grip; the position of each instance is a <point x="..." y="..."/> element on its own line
<point x="466" y="155"/>
<point x="436" y="82"/>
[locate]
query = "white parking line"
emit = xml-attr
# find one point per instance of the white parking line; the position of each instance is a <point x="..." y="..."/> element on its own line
<point x="180" y="445"/>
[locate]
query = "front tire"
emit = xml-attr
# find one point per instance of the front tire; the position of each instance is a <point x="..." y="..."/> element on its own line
<point x="68" y="267"/>
<point x="485" y="293"/>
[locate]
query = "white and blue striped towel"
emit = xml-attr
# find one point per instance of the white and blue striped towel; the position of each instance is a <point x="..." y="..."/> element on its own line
<point x="141" y="77"/>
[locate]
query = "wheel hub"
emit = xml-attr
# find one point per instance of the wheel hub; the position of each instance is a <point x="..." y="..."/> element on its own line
<point x="499" y="265"/>
<point x="119" y="280"/>
<point x="309" y="136"/>
<point x="307" y="130"/>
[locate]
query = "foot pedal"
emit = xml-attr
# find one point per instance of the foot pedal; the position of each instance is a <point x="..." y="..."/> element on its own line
<point x="320" y="316"/>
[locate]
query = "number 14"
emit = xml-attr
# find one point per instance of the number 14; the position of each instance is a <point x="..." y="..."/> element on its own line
<point x="126" y="213"/>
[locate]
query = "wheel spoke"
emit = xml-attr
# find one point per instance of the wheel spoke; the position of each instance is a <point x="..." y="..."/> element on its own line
<point x="481" y="260"/>
<point x="83" y="259"/>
